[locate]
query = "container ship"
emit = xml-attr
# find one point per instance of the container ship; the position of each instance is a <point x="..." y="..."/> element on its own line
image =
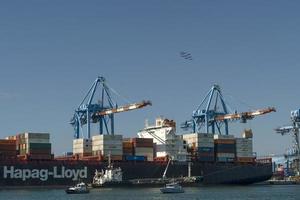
<point x="26" y="158"/>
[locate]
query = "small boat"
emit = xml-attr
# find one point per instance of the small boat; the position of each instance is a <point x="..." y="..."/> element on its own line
<point x="172" y="188"/>
<point x="80" y="188"/>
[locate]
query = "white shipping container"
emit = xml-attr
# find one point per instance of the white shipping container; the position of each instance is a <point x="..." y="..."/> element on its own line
<point x="143" y="150"/>
<point x="244" y="147"/>
<point x="82" y="145"/>
<point x="107" y="143"/>
<point x="82" y="150"/>
<point x="244" y="150"/>
<point x="107" y="137"/>
<point x="196" y="135"/>
<point x="106" y="152"/>
<point x="217" y="136"/>
<point x="244" y="155"/>
<point x="82" y="141"/>
<point x="244" y="143"/>
<point x="110" y="146"/>
<point x="199" y="140"/>
<point x="112" y="153"/>
<point x="226" y="155"/>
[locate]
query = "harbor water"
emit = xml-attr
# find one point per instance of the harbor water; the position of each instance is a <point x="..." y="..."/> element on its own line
<point x="273" y="192"/>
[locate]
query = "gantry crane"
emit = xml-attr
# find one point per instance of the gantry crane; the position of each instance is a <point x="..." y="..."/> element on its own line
<point x="101" y="112"/>
<point x="294" y="130"/>
<point x="213" y="113"/>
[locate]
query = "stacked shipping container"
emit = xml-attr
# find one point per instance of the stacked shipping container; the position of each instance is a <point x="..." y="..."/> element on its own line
<point x="244" y="150"/>
<point x="201" y="146"/>
<point x="105" y="145"/>
<point x="128" y="149"/>
<point x="8" y="149"/>
<point x="35" y="145"/>
<point x="143" y="147"/>
<point x="225" y="148"/>
<point x="82" y="147"/>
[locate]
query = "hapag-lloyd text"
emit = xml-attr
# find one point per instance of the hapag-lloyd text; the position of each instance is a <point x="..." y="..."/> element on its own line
<point x="43" y="174"/>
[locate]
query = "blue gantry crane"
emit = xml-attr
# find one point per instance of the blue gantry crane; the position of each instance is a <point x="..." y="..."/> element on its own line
<point x="100" y="112"/>
<point x="294" y="130"/>
<point x="213" y="115"/>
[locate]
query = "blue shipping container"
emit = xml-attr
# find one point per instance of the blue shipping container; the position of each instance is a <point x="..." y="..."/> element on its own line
<point x="206" y="149"/>
<point x="225" y="159"/>
<point x="226" y="148"/>
<point x="135" y="158"/>
<point x="206" y="158"/>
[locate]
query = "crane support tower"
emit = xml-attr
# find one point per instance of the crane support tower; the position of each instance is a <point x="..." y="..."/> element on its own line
<point x="294" y="130"/>
<point x="213" y="114"/>
<point x="101" y="112"/>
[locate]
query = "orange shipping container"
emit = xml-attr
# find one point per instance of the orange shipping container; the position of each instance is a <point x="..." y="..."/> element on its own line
<point x="3" y="141"/>
<point x="142" y="142"/>
<point x="245" y="159"/>
<point x="127" y="145"/>
<point x="224" y="141"/>
<point x="114" y="158"/>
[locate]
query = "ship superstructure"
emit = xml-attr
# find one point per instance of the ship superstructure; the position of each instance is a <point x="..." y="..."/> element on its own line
<point x="164" y="136"/>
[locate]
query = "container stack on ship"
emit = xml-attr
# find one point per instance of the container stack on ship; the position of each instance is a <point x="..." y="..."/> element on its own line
<point x="34" y="146"/>
<point x="220" y="158"/>
<point x="200" y="146"/>
<point x="104" y="145"/>
<point x="8" y="148"/>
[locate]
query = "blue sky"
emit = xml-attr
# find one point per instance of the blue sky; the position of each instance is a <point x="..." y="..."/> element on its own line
<point x="52" y="51"/>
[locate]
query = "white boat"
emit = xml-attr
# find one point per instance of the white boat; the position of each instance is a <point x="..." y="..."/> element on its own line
<point x="111" y="176"/>
<point x="80" y="188"/>
<point x="172" y="188"/>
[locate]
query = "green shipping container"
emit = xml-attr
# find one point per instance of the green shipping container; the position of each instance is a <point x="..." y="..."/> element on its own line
<point x="39" y="145"/>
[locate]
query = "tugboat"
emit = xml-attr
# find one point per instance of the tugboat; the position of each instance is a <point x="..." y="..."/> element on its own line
<point x="172" y="188"/>
<point x="80" y="188"/>
<point x="111" y="176"/>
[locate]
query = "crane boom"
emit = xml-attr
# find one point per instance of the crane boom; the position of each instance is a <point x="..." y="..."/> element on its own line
<point x="284" y="130"/>
<point x="245" y="115"/>
<point x="124" y="108"/>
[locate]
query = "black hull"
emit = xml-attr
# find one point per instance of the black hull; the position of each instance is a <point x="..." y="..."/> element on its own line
<point x="34" y="173"/>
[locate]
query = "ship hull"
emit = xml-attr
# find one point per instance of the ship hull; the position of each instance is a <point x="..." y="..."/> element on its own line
<point x="57" y="173"/>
